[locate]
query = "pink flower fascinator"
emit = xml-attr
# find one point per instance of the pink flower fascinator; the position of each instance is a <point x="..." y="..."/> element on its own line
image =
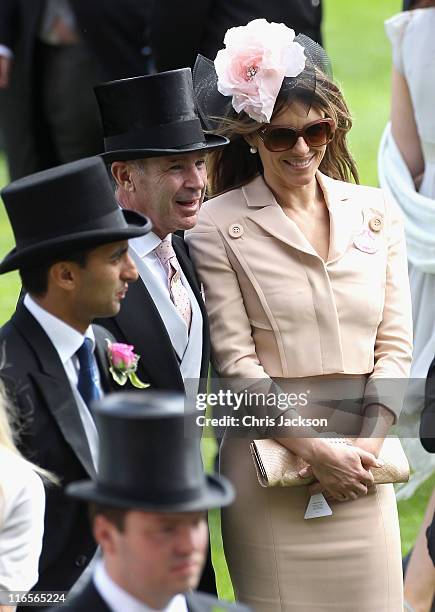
<point x="254" y="63"/>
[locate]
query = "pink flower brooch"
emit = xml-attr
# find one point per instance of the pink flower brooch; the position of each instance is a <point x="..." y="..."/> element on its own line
<point x="123" y="364"/>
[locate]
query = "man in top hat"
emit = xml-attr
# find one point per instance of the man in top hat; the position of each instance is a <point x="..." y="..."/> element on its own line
<point x="156" y="149"/>
<point x="148" y="508"/>
<point x="72" y="254"/>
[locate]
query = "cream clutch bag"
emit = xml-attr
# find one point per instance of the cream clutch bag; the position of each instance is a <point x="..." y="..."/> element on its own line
<point x="276" y="466"/>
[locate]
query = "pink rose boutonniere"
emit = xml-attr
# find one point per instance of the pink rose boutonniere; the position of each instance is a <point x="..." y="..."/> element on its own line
<point x="123" y="364"/>
<point x="254" y="63"/>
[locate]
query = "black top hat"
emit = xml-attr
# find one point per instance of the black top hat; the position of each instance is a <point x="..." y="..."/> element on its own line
<point x="149" y="458"/>
<point x="150" y="116"/>
<point x="70" y="207"/>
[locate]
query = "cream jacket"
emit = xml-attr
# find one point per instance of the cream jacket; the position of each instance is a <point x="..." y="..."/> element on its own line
<point x="276" y="309"/>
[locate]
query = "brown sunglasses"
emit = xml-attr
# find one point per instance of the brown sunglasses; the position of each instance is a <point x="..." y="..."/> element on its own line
<point x="278" y="138"/>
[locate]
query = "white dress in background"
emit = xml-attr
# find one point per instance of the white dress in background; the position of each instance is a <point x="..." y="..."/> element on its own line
<point x="412" y="36"/>
<point x="22" y="506"/>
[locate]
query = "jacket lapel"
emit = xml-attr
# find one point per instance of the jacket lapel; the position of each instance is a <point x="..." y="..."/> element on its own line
<point x="345" y="215"/>
<point x="55" y="387"/>
<point x="139" y="319"/>
<point x="101" y="356"/>
<point x="265" y="211"/>
<point x="345" y="218"/>
<point x="89" y="599"/>
<point x="202" y="602"/>
<point x="186" y="264"/>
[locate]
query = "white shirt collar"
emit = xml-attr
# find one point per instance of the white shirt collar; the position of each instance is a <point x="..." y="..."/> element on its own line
<point x="65" y="338"/>
<point x="119" y="600"/>
<point x="143" y="245"/>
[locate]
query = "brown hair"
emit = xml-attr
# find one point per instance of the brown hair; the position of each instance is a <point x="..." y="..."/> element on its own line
<point x="116" y="516"/>
<point x="233" y="166"/>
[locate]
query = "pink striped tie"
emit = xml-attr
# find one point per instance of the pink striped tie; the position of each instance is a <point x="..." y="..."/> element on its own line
<point x="178" y="292"/>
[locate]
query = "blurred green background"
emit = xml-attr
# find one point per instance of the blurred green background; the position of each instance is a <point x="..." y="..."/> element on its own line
<point x="360" y="53"/>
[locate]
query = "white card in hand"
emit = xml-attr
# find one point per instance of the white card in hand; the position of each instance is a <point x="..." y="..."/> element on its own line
<point x="317" y="507"/>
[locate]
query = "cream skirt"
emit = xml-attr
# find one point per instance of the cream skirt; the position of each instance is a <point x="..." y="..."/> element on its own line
<point x="280" y="562"/>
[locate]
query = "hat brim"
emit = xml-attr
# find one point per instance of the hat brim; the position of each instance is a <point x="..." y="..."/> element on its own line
<point x="212" y="142"/>
<point x="218" y="492"/>
<point x="34" y="255"/>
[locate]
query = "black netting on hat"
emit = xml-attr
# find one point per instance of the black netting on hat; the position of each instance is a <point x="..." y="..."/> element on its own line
<point x="316" y="55"/>
<point x="213" y="106"/>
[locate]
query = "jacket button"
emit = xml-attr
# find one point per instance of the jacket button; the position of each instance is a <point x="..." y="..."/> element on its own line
<point x="375" y="224"/>
<point x="81" y="560"/>
<point x="235" y="230"/>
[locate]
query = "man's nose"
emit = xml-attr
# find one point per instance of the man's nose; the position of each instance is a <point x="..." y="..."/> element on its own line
<point x="129" y="270"/>
<point x="196" y="178"/>
<point x="186" y="540"/>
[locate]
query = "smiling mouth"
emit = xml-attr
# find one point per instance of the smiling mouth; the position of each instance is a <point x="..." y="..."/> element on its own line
<point x="194" y="202"/>
<point x="121" y="294"/>
<point x="299" y="163"/>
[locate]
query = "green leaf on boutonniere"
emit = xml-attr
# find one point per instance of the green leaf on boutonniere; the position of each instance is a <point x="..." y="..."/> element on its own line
<point x="136" y="382"/>
<point x="119" y="377"/>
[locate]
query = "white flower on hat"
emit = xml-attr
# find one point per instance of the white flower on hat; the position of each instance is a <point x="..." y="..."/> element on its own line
<point x="254" y="63"/>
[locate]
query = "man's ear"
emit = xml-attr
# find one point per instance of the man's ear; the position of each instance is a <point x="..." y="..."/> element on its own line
<point x="62" y="274"/>
<point x="105" y="534"/>
<point x="121" y="173"/>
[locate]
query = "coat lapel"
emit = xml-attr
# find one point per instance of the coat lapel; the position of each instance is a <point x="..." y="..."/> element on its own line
<point x="345" y="215"/>
<point x="101" y="356"/>
<point x="182" y="253"/>
<point x="202" y="602"/>
<point x="55" y="387"/>
<point x="265" y="211"/>
<point x="139" y="318"/>
<point x="345" y="218"/>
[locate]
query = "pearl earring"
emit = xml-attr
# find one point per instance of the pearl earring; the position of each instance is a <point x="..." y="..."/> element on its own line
<point x="253" y="150"/>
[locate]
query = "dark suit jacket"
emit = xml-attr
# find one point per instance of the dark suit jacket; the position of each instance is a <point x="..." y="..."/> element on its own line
<point x="139" y="323"/>
<point x="53" y="437"/>
<point x="115" y="33"/>
<point x="89" y="600"/>
<point x="427" y="436"/>
<point x="427" y="423"/>
<point x="181" y="30"/>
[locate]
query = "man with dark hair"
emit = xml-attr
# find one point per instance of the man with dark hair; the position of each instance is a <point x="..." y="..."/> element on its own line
<point x="148" y="509"/>
<point x="35" y="279"/>
<point x="72" y="254"/>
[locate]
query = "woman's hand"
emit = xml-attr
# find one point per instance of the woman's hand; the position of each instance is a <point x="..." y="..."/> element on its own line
<point x="342" y="471"/>
<point x="371" y="445"/>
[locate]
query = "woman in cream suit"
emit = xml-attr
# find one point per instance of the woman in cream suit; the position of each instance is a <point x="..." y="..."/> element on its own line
<point x="305" y="278"/>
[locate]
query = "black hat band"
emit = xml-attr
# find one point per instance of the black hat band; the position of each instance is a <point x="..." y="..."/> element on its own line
<point x="115" y="219"/>
<point x="162" y="497"/>
<point x="167" y="136"/>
